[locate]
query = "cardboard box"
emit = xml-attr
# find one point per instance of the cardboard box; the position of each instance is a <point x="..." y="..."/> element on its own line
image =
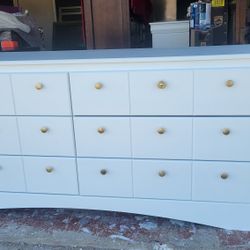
<point x="219" y="22"/>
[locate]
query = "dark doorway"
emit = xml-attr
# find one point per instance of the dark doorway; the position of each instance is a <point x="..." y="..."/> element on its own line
<point x="182" y="6"/>
<point x="6" y="2"/>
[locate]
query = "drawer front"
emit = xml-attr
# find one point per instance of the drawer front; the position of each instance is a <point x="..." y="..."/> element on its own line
<point x="41" y="94"/>
<point x="222" y="92"/>
<point x="11" y="175"/>
<point x="100" y="93"/>
<point x="9" y="142"/>
<point x="166" y="138"/>
<point x="162" y="92"/>
<point x="222" y="139"/>
<point x="162" y="179"/>
<point x="221" y="181"/>
<point x="6" y="98"/>
<point x="104" y="137"/>
<point x="52" y="136"/>
<point x="103" y="177"/>
<point x="51" y="175"/>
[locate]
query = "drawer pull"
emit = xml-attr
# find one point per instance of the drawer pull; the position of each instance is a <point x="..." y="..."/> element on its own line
<point x="230" y="83"/>
<point x="98" y="85"/>
<point x="39" y="86"/>
<point x="226" y="131"/>
<point x="161" y="131"/>
<point x="103" y="172"/>
<point x="44" y="130"/>
<point x="224" y="176"/>
<point x="162" y="85"/>
<point x="162" y="173"/>
<point x="49" y="169"/>
<point x="101" y="130"/>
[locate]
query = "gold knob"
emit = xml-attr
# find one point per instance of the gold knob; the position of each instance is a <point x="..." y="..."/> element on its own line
<point x="224" y="176"/>
<point x="161" y="131"/>
<point x="49" y="169"/>
<point x="101" y="130"/>
<point x="103" y="172"/>
<point x="44" y="130"/>
<point x="98" y="85"/>
<point x="39" y="86"/>
<point x="162" y="173"/>
<point x="230" y="83"/>
<point x="226" y="131"/>
<point x="162" y="85"/>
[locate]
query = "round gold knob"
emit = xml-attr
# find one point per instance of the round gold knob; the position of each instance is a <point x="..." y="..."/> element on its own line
<point x="103" y="172"/>
<point x="162" y="173"/>
<point x="39" y="86"/>
<point x="101" y="130"/>
<point x="49" y="169"/>
<point x="44" y="130"/>
<point x="98" y="85"/>
<point x="224" y="176"/>
<point x="230" y="83"/>
<point x="162" y="85"/>
<point x="161" y="131"/>
<point x="226" y="131"/>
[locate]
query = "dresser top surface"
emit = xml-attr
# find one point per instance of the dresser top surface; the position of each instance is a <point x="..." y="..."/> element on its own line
<point x="126" y="53"/>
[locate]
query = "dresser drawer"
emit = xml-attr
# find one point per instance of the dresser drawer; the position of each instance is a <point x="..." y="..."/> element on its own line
<point x="221" y="181"/>
<point x="102" y="177"/>
<point x="167" y="138"/>
<point x="51" y="175"/>
<point x="52" y="136"/>
<point x="6" y="98"/>
<point x="100" y="93"/>
<point x="9" y="142"/>
<point x="41" y="94"/>
<point x="168" y="92"/>
<point x="11" y="175"/>
<point x="222" y="92"/>
<point x="222" y="139"/>
<point x="162" y="179"/>
<point x="104" y="137"/>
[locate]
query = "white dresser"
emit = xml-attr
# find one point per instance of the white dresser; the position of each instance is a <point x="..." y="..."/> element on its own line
<point x="157" y="132"/>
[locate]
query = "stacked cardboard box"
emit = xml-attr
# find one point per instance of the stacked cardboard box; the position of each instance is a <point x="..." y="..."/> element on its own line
<point x="217" y="33"/>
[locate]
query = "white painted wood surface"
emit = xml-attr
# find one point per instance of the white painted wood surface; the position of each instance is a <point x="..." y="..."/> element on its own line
<point x="57" y="141"/>
<point x="170" y="34"/>
<point x="193" y="110"/>
<point x="9" y="142"/>
<point x="113" y="142"/>
<point x="105" y="177"/>
<point x="176" y="184"/>
<point x="6" y="98"/>
<point x="52" y="99"/>
<point x="211" y="144"/>
<point x="148" y="99"/>
<point x="111" y="99"/>
<point x="174" y="143"/>
<point x="12" y="177"/>
<point x="213" y="97"/>
<point x="61" y="180"/>
<point x="208" y="184"/>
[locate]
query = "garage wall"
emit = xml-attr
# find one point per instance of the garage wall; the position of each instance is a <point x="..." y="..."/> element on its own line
<point x="43" y="12"/>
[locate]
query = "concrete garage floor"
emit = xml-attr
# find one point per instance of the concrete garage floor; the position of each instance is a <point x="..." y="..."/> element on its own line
<point x="57" y="229"/>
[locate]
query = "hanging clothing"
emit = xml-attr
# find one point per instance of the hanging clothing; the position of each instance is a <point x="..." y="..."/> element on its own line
<point x="141" y="9"/>
<point x="9" y="21"/>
